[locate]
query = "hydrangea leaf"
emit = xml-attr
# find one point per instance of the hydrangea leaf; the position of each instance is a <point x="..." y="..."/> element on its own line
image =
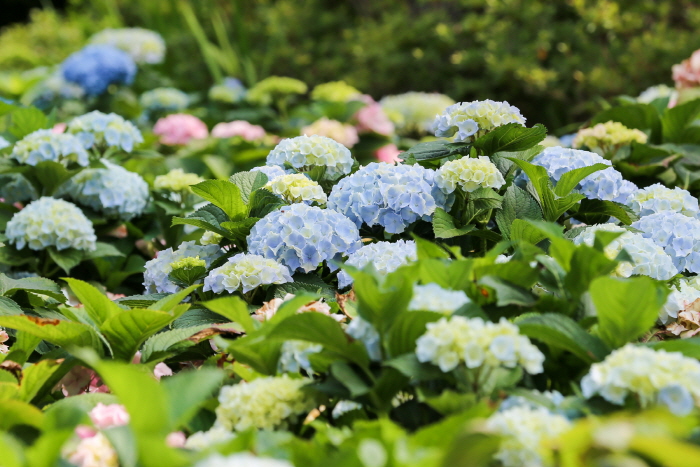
<point x="444" y="225"/>
<point x="209" y="217"/>
<point x="66" y="259"/>
<point x="511" y="137"/>
<point x="263" y="202"/>
<point x="98" y="306"/>
<point x="188" y="390"/>
<point x="27" y="120"/>
<point x="234" y="309"/>
<point x="16" y="412"/>
<point x="432" y="150"/>
<point x="676" y="122"/>
<point x="224" y="195"/>
<point x="517" y="204"/>
<point x="407" y="328"/>
<point x="41" y="377"/>
<point x="248" y="182"/>
<point x="570" y="179"/>
<point x="596" y="211"/>
<point x="38" y="285"/>
<point x="65" y="334"/>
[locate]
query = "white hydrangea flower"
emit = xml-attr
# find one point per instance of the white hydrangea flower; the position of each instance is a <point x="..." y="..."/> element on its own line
<point x="113" y="191"/>
<point x="246" y="272"/>
<point x="176" y="180"/>
<point x="99" y="129"/>
<point x="297" y="188"/>
<point x="295" y="354"/>
<point x="306" y="152"/>
<point x="343" y="407"/>
<point x="554" y="398"/>
<point x="385" y="257"/>
<point x="677" y="234"/>
<point x="653" y="376"/>
<point x="364" y="332"/>
<point x="432" y="297"/>
<point x="414" y="112"/>
<point x="265" y="403"/>
<point x="469" y="174"/>
<point x="45" y="145"/>
<point x="526" y="432"/>
<point x="143" y="45"/>
<point x="475" y="342"/>
<point x="648" y="258"/>
<point x="4" y="143"/>
<point x="51" y="222"/>
<point x="687" y="292"/>
<point x="155" y="277"/>
<point x="93" y="451"/>
<point x="241" y="459"/>
<point x="164" y="100"/>
<point x="203" y="440"/>
<point x="657" y="198"/>
<point x="466" y="121"/>
<point x="659" y="91"/>
<point x="210" y="238"/>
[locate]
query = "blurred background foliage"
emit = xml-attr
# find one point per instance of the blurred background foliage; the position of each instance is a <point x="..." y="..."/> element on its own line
<point x="555" y="60"/>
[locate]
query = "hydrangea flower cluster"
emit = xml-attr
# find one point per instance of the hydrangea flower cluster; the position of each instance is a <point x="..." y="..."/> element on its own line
<point x="660" y="91"/>
<point x="526" y="432"/>
<point x="334" y="91"/>
<point x="373" y="119"/>
<point x="653" y="376"/>
<point x="95" y="67"/>
<point x="364" y="332"/>
<point x="341" y="132"/>
<point x="15" y="188"/>
<point x="241" y="459"/>
<point x="687" y="291"/>
<point x="608" y="136"/>
<point x="432" y="297"/>
<point x="266" y="91"/>
<point x="306" y="152"/>
<point x="98" y="129"/>
<point x="56" y="87"/>
<point x="648" y="258"/>
<point x="210" y="238"/>
<point x="687" y="73"/>
<point x="189" y="262"/>
<point x="164" y="100"/>
<point x="229" y="92"/>
<point x="466" y="121"/>
<point x="113" y="191"/>
<point x="385" y="257"/>
<point x="658" y="198"/>
<point x="45" y="145"/>
<point x="295" y="354"/>
<point x="155" y="277"/>
<point x="301" y="237"/>
<point x="50" y="222"/>
<point x="176" y="180"/>
<point x="246" y="272"/>
<point x="677" y="234"/>
<point x="475" y="342"/>
<point x="264" y="403"/>
<point x="272" y="171"/>
<point x="393" y="196"/>
<point x="607" y="184"/>
<point x="245" y="130"/>
<point x="180" y="129"/>
<point x="142" y="45"/>
<point x="469" y="174"/>
<point x="93" y="450"/>
<point x="414" y="112"/>
<point x="203" y="440"/>
<point x="297" y="188"/>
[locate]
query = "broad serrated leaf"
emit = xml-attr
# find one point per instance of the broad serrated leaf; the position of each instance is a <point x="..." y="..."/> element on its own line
<point x="39" y="375"/>
<point x="208" y="217"/>
<point x="66" y="259"/>
<point x="432" y="150"/>
<point x="38" y="285"/>
<point x="570" y="179"/>
<point x="27" y="120"/>
<point x="517" y="204"/>
<point x="263" y="202"/>
<point x="158" y="345"/>
<point x="248" y="183"/>
<point x="189" y="390"/>
<point x="525" y="232"/>
<point x="8" y="307"/>
<point x="48" y="176"/>
<point x="444" y="225"/>
<point x="511" y="137"/>
<point x="234" y="309"/>
<point x="223" y="194"/>
<point x="102" y="250"/>
<point x="65" y="334"/>
<point x="308" y="283"/>
<point x="596" y="211"/>
<point x="239" y="230"/>
<point x="407" y="328"/>
<point x="485" y="198"/>
<point x="171" y="301"/>
<point x="675" y="121"/>
<point x="98" y="306"/>
<point x="16" y="412"/>
<point x="129" y="329"/>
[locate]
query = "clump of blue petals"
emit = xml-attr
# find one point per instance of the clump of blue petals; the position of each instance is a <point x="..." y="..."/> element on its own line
<point x="97" y="128"/>
<point x="385" y="257"/>
<point x="677" y="234"/>
<point x="95" y="67"/>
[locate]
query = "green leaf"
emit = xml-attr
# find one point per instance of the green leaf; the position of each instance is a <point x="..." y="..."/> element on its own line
<point x="485" y="198"/>
<point x="508" y="293"/>
<point x="626" y="308"/>
<point x="171" y="301"/>
<point x="66" y="259"/>
<point x="570" y="179"/>
<point x="38" y="285"/>
<point x="234" y="309"/>
<point x="260" y="353"/>
<point x="98" y="306"/>
<point x="129" y="329"/>
<point x="224" y="195"/>
<point x="239" y="230"/>
<point x="427" y="249"/>
<point x="409" y="365"/>
<point x="444" y="225"/>
<point x="48" y="176"/>
<point x="539" y="178"/>
<point x="436" y="150"/>
<point x="27" y="120"/>
<point x="407" y="328"/>
<point x="596" y="211"/>
<point x="381" y="301"/>
<point x="675" y="121"/>
<point x="23" y="347"/>
<point x="349" y="378"/>
<point x="208" y="217"/>
<point x="521" y="230"/>
<point x="517" y="204"/>
<point x="103" y="250"/>
<point x="9" y="308"/>
<point x="65" y="334"/>
<point x="44" y="374"/>
<point x="15" y="412"/>
<point x="248" y="183"/>
<point x="188" y="390"/>
<point x="162" y="344"/>
<point x="307" y="283"/>
<point x="511" y="137"/>
<point x="263" y="202"/>
<point x="184" y="277"/>
<point x="559" y="331"/>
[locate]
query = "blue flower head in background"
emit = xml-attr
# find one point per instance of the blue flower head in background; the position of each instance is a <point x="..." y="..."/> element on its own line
<point x="95" y="67"/>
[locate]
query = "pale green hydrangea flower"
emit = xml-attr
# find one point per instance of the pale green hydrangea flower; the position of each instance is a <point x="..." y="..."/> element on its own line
<point x="466" y="121"/>
<point x="414" y="112"/>
<point x="246" y="272"/>
<point x="608" y="136"/>
<point x="432" y="297"/>
<point x="176" y="180"/>
<point x="656" y="198"/>
<point x="335" y="91"/>
<point x="210" y="238"/>
<point x="469" y="174"/>
<point x="164" y="100"/>
<point x="297" y="188"/>
<point x="267" y="90"/>
<point x="99" y="129"/>
<point x="188" y="263"/>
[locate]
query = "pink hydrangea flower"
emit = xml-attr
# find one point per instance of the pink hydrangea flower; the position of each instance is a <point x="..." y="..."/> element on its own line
<point x="176" y="439"/>
<point x="161" y="370"/>
<point x="687" y="73"/>
<point x="389" y="153"/>
<point x="372" y="119"/>
<point x="106" y="416"/>
<point x="59" y="128"/>
<point x="245" y="130"/>
<point x="180" y="129"/>
<point x="80" y="380"/>
<point x="3" y="338"/>
<point x="341" y="132"/>
<point x="84" y="431"/>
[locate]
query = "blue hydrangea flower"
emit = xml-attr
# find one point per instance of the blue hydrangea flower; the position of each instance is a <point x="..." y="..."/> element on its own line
<point x="272" y="171"/>
<point x="607" y="184"/>
<point x="302" y="237"/>
<point x="246" y="272"/>
<point x="99" y="129"/>
<point x="51" y="222"/>
<point x="657" y="198"/>
<point x="393" y="196"/>
<point x="164" y="100"/>
<point x="55" y="87"/>
<point x="294" y="356"/>
<point x="95" y="67"/>
<point x="364" y="332"/>
<point x="15" y="188"/>
<point x="385" y="257"/>
<point x="230" y="92"/>
<point x="45" y="145"/>
<point x="113" y="191"/>
<point x="155" y="277"/>
<point x="306" y="152"/>
<point x="4" y="143"/>
<point x="677" y="234"/>
<point x="142" y="45"/>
